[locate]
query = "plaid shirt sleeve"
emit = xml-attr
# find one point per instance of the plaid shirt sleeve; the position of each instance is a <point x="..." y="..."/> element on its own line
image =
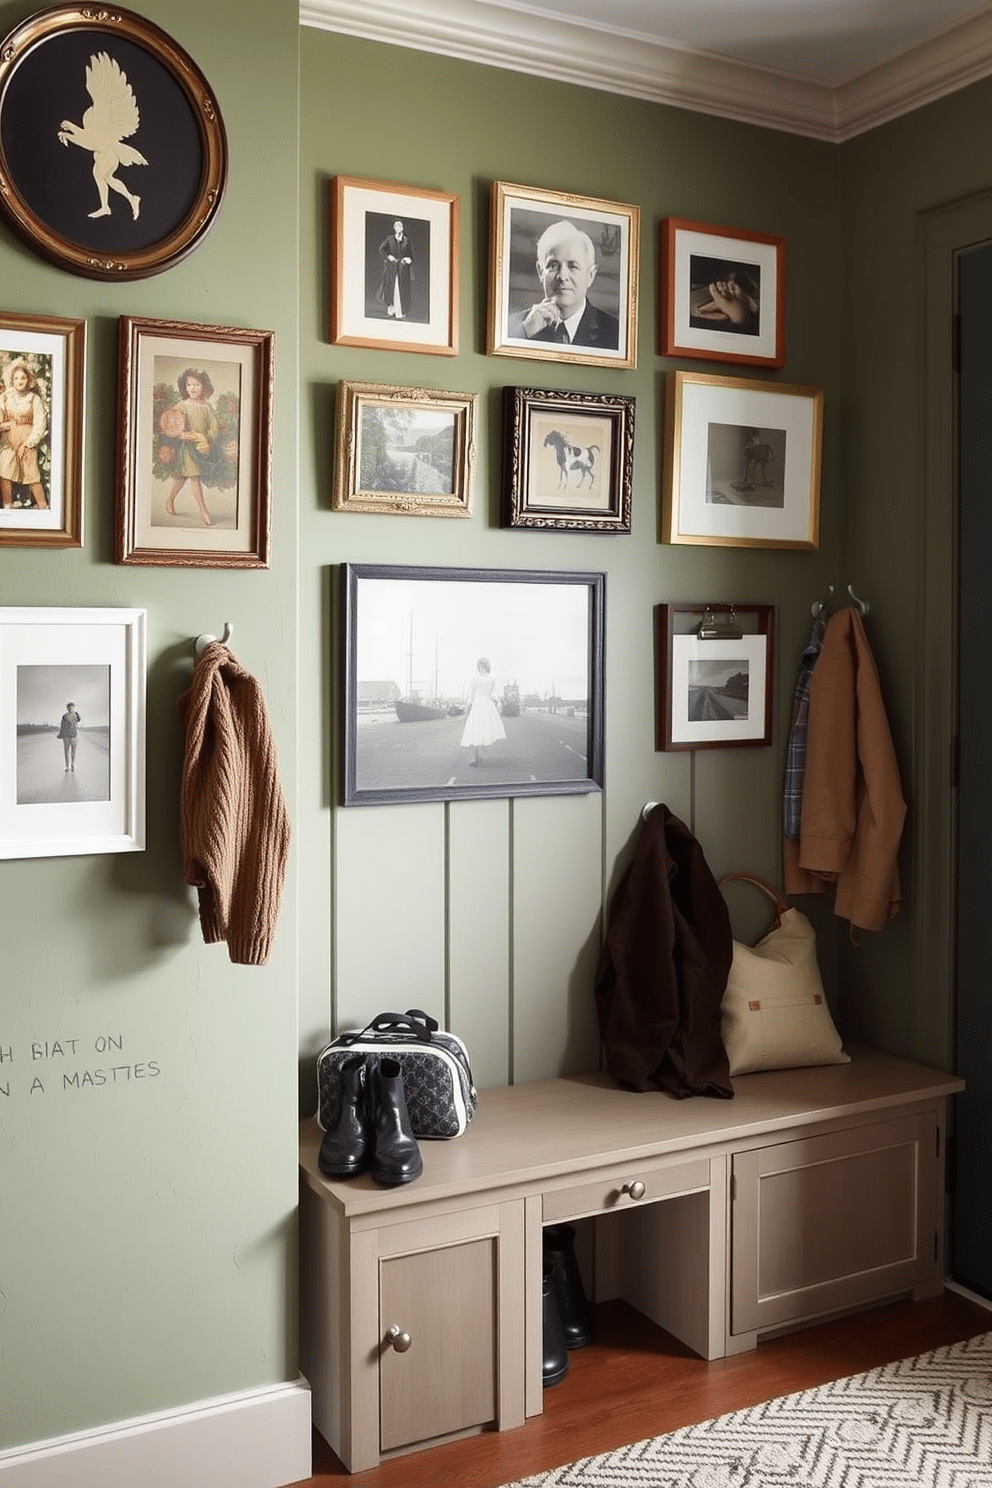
<point x="795" y="758"/>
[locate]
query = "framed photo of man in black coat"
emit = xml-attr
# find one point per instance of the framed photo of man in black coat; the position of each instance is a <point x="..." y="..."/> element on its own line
<point x="563" y="277"/>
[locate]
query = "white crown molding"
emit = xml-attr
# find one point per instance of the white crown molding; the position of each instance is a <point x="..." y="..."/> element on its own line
<point x="597" y="58"/>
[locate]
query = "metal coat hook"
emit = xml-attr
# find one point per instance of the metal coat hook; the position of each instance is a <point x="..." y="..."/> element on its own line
<point x="819" y="605"/>
<point x="647" y="809"/>
<point x="203" y="641"/>
<point x="862" y="604"/>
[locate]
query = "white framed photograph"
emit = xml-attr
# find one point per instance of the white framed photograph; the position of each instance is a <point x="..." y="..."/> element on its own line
<point x="714" y="682"/>
<point x="72" y="731"/>
<point x="741" y="462"/>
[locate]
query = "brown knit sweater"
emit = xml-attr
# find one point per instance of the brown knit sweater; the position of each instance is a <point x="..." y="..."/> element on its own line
<point x="234" y="827"/>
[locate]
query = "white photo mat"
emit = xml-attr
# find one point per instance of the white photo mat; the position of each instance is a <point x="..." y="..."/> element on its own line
<point x="697" y="403"/>
<point x="440" y="213"/>
<point x="42" y="813"/>
<point x="762" y="256"/>
<point x="750" y="651"/>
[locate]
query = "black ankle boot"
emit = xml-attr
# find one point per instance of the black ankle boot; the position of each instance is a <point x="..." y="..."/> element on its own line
<point x="395" y="1154"/>
<point x="554" y="1366"/>
<point x="347" y="1146"/>
<point x="573" y="1308"/>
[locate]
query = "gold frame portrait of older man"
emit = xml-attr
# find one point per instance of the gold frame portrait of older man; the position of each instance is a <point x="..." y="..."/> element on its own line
<point x="562" y="277"/>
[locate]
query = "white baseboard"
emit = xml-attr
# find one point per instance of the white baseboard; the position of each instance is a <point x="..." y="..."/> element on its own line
<point x="255" y="1439"/>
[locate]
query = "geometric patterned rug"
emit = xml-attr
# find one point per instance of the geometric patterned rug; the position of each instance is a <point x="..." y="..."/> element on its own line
<point x="924" y="1422"/>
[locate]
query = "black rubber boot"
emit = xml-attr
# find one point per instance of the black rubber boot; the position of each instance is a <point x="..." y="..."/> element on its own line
<point x="555" y="1361"/>
<point x="395" y="1154"/>
<point x="573" y="1307"/>
<point x="347" y="1146"/>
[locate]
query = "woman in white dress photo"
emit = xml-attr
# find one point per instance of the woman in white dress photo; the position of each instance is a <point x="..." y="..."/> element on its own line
<point x="483" y="726"/>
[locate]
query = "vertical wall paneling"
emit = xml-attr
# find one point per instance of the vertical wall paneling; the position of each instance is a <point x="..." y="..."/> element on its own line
<point x="557" y="898"/>
<point x="390" y="911"/>
<point x="479" y="934"/>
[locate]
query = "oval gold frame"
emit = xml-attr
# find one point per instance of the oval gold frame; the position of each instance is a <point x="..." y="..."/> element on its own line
<point x="24" y="40"/>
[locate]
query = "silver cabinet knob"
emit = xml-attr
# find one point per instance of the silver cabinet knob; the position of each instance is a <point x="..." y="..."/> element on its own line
<point x="636" y="1190"/>
<point x="400" y="1341"/>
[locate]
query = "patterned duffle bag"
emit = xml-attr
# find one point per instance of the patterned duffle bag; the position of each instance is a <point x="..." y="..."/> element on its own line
<point x="437" y="1075"/>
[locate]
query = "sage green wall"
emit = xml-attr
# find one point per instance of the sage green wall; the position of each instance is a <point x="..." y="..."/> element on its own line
<point x="490" y="912"/>
<point x="913" y="192"/>
<point x="147" y="1244"/>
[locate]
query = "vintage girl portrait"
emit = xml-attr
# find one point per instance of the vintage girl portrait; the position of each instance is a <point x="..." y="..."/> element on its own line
<point x="194" y="449"/>
<point x="41" y="373"/>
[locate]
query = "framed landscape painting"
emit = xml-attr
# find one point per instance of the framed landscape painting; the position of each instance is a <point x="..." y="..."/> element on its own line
<point x="404" y="451"/>
<point x="462" y="683"/>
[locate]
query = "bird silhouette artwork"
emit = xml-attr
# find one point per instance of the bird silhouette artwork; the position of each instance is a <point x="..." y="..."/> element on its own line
<point x="111" y="119"/>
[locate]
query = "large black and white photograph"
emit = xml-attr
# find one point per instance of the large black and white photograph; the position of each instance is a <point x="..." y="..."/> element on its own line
<point x="721" y="294"/>
<point x="404" y="451"/>
<point x="72" y="731"/>
<point x="42" y="362"/>
<point x="713" y="684"/>
<point x="741" y="462"/>
<point x="562" y="277"/>
<point x="112" y="145"/>
<point x="463" y="683"/>
<point x="394" y="266"/>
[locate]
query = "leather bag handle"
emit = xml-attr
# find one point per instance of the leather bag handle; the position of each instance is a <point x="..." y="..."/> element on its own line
<point x="781" y="905"/>
<point x="413" y="1021"/>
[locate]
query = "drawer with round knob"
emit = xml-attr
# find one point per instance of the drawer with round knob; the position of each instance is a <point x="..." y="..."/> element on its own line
<point x="625" y="1187"/>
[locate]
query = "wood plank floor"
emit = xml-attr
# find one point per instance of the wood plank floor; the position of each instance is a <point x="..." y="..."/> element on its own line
<point x="635" y="1381"/>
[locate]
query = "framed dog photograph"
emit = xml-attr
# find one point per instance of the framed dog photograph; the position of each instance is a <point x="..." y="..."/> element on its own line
<point x="568" y="460"/>
<point x="741" y="462"/>
<point x="721" y="294"/>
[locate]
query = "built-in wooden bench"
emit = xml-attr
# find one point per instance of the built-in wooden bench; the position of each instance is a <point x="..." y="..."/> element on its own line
<point x="811" y="1192"/>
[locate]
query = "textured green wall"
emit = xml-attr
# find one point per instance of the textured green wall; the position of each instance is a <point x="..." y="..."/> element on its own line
<point x="147" y="1228"/>
<point x="395" y="115"/>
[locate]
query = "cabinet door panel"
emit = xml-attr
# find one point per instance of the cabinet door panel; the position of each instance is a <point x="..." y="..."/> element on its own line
<point x="831" y="1221"/>
<point x="445" y="1381"/>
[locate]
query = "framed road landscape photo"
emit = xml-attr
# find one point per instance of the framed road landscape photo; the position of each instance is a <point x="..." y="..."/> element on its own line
<point x="568" y="460"/>
<point x="461" y="683"/>
<point x="562" y="277"/>
<point x="394" y="267"/>
<point x="721" y="294"/>
<point x="713" y="686"/>
<point x="42" y="369"/>
<point x="404" y="451"/>
<point x="113" y="153"/>
<point x="741" y="462"/>
<point x="72" y="731"/>
<point x="194" y="448"/>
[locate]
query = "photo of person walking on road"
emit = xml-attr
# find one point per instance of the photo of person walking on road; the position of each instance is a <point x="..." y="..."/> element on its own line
<point x="69" y="734"/>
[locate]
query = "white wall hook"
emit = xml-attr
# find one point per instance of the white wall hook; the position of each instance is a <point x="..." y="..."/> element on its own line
<point x="203" y="641"/>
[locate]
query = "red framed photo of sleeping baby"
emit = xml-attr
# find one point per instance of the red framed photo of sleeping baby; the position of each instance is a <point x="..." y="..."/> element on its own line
<point x="194" y="449"/>
<point x="721" y="294"/>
